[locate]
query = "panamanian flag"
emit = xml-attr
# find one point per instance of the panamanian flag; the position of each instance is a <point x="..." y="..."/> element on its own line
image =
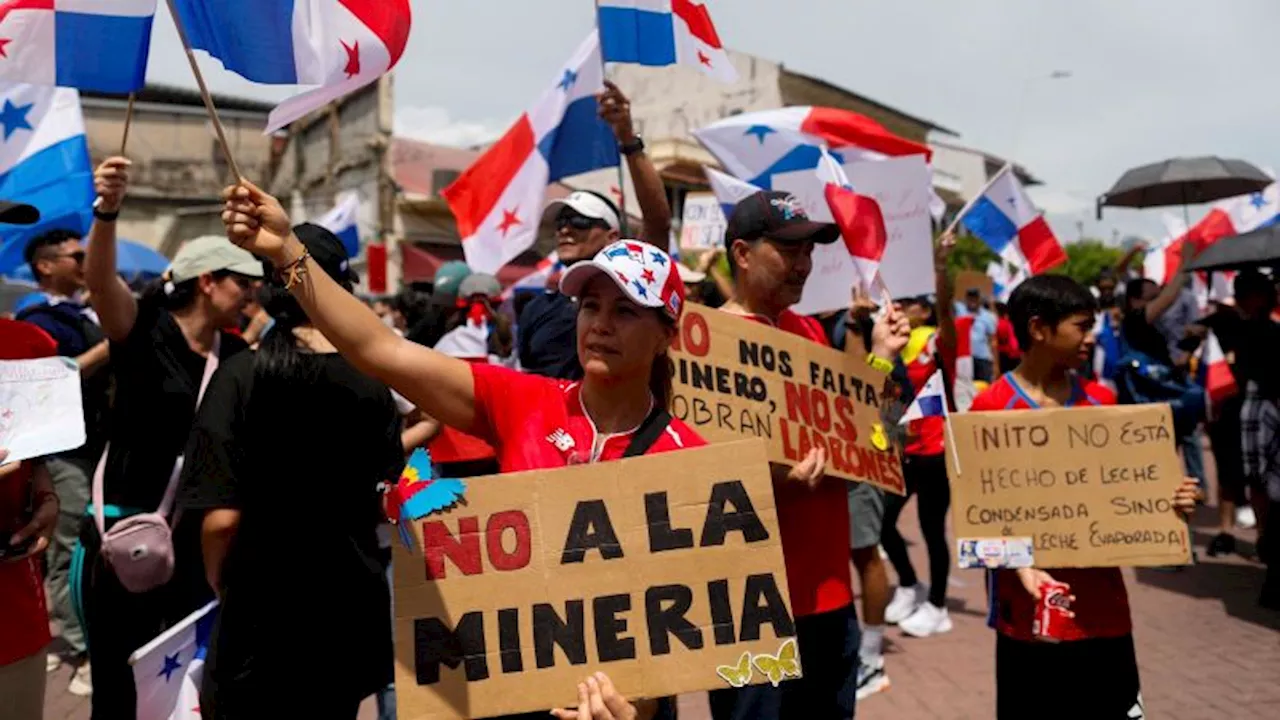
<point x="931" y="401"/>
<point x="168" y="670"/>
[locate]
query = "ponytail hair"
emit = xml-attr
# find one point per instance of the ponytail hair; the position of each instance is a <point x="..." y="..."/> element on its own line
<point x="662" y="374"/>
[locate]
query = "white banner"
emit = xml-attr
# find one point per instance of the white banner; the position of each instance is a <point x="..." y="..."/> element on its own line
<point x="902" y="187"/>
<point x="703" y="224"/>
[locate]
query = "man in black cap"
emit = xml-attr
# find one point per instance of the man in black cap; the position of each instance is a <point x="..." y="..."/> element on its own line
<point x="770" y="241"/>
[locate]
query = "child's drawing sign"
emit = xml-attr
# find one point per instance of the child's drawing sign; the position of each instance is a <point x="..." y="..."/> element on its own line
<point x="40" y="408"/>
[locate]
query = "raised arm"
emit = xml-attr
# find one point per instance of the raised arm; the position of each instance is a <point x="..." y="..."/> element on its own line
<point x="651" y="195"/>
<point x="1173" y="288"/>
<point x="109" y="296"/>
<point x="945" y="307"/>
<point x="437" y="384"/>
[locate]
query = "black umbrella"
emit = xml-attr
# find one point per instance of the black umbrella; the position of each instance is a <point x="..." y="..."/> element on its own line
<point x="1257" y="248"/>
<point x="1184" y="181"/>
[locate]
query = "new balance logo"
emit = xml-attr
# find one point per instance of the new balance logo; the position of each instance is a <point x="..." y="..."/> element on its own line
<point x="562" y="440"/>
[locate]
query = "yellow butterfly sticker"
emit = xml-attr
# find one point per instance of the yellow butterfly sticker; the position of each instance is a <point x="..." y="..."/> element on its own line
<point x="736" y="675"/>
<point x="879" y="439"/>
<point x="777" y="668"/>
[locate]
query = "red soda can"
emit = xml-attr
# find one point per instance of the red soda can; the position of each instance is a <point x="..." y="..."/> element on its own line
<point x="1052" y="612"/>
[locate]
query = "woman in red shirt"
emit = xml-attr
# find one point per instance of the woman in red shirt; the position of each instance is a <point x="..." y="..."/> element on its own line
<point x="28" y="513"/>
<point x="630" y="299"/>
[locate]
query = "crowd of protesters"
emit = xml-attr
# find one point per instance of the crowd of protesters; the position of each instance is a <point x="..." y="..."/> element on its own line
<point x="249" y="391"/>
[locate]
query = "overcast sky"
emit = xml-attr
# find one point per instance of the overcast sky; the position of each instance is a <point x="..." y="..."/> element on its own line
<point x="1150" y="79"/>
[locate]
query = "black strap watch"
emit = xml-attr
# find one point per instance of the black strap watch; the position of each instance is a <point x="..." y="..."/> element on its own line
<point x="105" y="216"/>
<point x="632" y="147"/>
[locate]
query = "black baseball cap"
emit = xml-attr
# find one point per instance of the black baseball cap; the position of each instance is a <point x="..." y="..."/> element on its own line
<point x="779" y="216"/>
<point x="326" y="250"/>
<point x="18" y="213"/>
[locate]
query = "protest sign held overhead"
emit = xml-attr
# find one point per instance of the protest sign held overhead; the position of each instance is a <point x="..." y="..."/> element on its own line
<point x="665" y="572"/>
<point x="1089" y="487"/>
<point x="735" y="378"/>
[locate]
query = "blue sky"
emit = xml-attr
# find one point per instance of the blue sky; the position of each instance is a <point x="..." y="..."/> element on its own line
<point x="1150" y="79"/>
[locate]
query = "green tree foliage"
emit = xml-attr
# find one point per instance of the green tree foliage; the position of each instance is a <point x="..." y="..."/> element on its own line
<point x="1085" y="258"/>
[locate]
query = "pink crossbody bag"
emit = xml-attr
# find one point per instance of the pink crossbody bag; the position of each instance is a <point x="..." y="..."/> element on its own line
<point x="139" y="548"/>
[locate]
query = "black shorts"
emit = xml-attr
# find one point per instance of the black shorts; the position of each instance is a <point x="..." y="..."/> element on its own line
<point x="828" y="689"/>
<point x="1095" y="679"/>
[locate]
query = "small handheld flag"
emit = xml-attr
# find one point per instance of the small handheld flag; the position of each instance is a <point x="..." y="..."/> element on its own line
<point x="931" y="401"/>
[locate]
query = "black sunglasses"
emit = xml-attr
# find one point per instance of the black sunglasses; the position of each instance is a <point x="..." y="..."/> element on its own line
<point x="77" y="255"/>
<point x="578" y="222"/>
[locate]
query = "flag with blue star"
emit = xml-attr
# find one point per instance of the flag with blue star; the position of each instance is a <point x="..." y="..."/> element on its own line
<point x="44" y="161"/>
<point x="167" y="671"/>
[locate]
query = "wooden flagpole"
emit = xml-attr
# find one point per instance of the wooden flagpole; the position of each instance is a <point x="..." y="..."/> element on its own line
<point x="204" y="93"/>
<point x="128" y="120"/>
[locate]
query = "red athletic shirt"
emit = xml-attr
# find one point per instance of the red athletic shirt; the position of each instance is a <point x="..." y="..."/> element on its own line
<point x="814" y="523"/>
<point x="537" y="423"/>
<point x="24" y="619"/>
<point x="1006" y="339"/>
<point x="1102" y="604"/>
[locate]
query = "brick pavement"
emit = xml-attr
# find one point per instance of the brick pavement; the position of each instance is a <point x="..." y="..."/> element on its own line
<point x="1205" y="649"/>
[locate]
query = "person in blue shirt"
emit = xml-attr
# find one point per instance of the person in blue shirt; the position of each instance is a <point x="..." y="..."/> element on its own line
<point x="982" y="335"/>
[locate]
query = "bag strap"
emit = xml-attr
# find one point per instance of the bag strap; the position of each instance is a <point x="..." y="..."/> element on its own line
<point x="648" y="432"/>
<point x="171" y="490"/>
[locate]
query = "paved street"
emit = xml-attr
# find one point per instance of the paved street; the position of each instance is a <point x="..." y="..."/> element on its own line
<point x="1206" y="650"/>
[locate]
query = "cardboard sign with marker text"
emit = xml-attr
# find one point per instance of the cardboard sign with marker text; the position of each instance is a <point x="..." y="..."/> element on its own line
<point x="665" y="572"/>
<point x="736" y="378"/>
<point x="1090" y="487"/>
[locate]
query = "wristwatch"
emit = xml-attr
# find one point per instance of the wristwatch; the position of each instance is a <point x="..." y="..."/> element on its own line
<point x="105" y="216"/>
<point x="632" y="147"/>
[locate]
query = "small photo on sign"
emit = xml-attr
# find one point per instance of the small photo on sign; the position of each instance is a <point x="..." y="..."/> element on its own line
<point x="993" y="553"/>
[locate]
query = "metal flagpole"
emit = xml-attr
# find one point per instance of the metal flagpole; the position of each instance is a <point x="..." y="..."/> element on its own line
<point x="204" y="93"/>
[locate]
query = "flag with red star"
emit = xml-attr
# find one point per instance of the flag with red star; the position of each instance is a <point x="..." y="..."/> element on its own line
<point x="338" y="45"/>
<point x="498" y="202"/>
<point x="658" y="33"/>
<point x="100" y="46"/>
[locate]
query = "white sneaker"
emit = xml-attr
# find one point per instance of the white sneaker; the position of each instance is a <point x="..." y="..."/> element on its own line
<point x="905" y="602"/>
<point x="1245" y="519"/>
<point x="81" y="684"/>
<point x="52" y="662"/>
<point x="871" y="677"/>
<point x="928" y="619"/>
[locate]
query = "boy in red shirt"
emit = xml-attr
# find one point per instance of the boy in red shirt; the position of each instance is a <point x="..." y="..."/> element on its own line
<point x="1093" y="672"/>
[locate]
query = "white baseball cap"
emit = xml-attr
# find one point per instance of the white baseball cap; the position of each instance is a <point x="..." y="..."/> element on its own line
<point x="586" y="204"/>
<point x="642" y="271"/>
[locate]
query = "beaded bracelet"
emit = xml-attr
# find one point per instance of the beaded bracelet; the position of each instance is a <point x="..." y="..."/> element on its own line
<point x="296" y="270"/>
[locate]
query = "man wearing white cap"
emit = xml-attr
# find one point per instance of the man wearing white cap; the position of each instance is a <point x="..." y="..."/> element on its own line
<point x="585" y="222"/>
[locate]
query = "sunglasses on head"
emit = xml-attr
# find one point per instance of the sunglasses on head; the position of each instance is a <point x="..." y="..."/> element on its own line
<point x="575" y="221"/>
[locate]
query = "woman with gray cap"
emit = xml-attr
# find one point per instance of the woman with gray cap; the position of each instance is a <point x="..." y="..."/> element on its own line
<point x="252" y="474"/>
<point x="163" y="350"/>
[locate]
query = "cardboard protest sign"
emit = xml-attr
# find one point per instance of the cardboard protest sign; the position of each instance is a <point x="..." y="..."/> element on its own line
<point x="1089" y="487"/>
<point x="736" y="378"/>
<point x="902" y="186"/>
<point x="665" y="572"/>
<point x="703" y="222"/>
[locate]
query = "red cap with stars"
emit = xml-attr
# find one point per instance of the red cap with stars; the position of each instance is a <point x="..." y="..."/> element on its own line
<point x="645" y="273"/>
